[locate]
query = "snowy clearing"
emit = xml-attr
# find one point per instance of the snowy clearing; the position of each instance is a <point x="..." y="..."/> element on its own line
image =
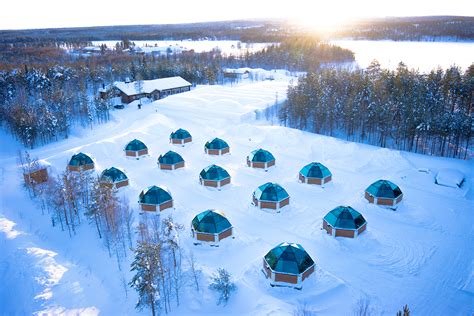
<point x="420" y="254"/>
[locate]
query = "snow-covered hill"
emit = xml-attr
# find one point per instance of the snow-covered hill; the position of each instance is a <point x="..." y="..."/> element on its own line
<point x="420" y="255"/>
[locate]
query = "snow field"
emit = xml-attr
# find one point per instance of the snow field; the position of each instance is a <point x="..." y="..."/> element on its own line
<point x="417" y="255"/>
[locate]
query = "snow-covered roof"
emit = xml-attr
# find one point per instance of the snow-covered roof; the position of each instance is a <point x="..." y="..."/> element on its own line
<point x="148" y="86"/>
<point x="91" y="49"/>
<point x="237" y="71"/>
<point x="36" y="165"/>
<point x="450" y="178"/>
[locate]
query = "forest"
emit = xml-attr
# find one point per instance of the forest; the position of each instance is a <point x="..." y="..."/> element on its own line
<point x="402" y="109"/>
<point x="270" y="31"/>
<point x="53" y="91"/>
<point x="243" y="30"/>
<point x="302" y="53"/>
<point x="426" y="28"/>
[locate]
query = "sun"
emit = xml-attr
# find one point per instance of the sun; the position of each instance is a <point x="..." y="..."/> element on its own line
<point x="326" y="17"/>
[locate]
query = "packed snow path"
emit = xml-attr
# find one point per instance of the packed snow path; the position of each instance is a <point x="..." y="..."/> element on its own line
<point x="420" y="255"/>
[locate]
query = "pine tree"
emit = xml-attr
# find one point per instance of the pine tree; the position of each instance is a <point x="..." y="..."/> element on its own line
<point x="146" y="268"/>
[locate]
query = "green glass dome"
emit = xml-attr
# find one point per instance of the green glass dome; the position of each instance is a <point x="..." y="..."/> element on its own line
<point x="289" y="258"/>
<point x="217" y="144"/>
<point x="180" y="134"/>
<point x="261" y="155"/>
<point x="210" y="222"/>
<point x="154" y="195"/>
<point x="271" y="192"/>
<point x="345" y="217"/>
<point x="113" y="175"/>
<point x="80" y="159"/>
<point x="135" y="145"/>
<point x="170" y="158"/>
<point x="384" y="189"/>
<point x="214" y="173"/>
<point x="315" y="170"/>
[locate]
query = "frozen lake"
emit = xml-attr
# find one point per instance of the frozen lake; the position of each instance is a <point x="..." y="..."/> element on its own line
<point x="421" y="55"/>
<point x="227" y="47"/>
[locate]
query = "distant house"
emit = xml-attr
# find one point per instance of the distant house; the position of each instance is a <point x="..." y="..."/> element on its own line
<point x="91" y="50"/>
<point x="152" y="89"/>
<point x="241" y="73"/>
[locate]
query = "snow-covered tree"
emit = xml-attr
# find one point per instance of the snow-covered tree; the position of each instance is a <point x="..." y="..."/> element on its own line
<point x="145" y="281"/>
<point x="221" y="282"/>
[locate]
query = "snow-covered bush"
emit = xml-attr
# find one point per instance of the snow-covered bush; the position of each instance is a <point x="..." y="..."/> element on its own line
<point x="221" y="283"/>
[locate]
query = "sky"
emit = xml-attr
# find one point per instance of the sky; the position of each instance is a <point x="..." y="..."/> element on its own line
<point x="24" y="14"/>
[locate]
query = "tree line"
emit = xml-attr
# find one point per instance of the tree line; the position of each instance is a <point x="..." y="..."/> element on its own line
<point x="429" y="28"/>
<point x="401" y="109"/>
<point x="42" y="101"/>
<point x="299" y="53"/>
<point x="54" y="91"/>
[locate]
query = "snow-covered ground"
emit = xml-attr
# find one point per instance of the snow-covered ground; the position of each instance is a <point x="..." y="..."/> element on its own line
<point x="225" y="46"/>
<point x="420" y="255"/>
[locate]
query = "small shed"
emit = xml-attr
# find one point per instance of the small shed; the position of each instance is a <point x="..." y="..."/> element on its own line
<point x="241" y="73"/>
<point x="260" y="158"/>
<point x="384" y="192"/>
<point x="136" y="149"/>
<point x="153" y="198"/>
<point x="216" y="146"/>
<point x="270" y="195"/>
<point x="80" y="162"/>
<point x="113" y="178"/>
<point x="315" y="173"/>
<point x="36" y="172"/>
<point x="211" y="226"/>
<point x="170" y="161"/>
<point x="288" y="264"/>
<point x="344" y="221"/>
<point x="214" y="176"/>
<point x="450" y="178"/>
<point x="181" y="137"/>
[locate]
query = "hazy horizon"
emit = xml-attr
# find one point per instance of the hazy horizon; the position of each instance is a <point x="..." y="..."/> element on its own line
<point x="28" y="14"/>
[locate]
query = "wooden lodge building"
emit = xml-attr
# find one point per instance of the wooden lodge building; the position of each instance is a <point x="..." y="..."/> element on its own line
<point x="152" y="89"/>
